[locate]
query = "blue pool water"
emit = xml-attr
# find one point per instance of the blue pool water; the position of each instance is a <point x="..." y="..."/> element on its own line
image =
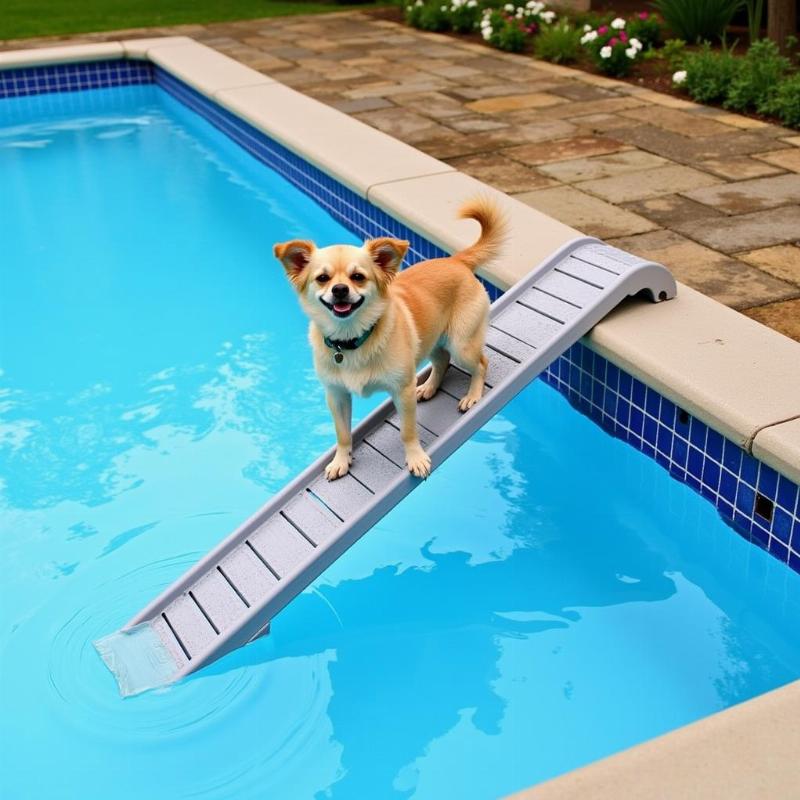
<point x="548" y="597"/>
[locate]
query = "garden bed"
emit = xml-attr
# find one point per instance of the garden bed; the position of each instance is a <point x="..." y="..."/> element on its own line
<point x="757" y="82"/>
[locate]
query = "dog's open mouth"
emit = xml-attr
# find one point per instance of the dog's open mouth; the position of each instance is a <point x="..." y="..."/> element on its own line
<point x="343" y="309"/>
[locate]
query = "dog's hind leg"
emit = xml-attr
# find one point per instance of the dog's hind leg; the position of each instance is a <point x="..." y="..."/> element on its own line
<point x="340" y="403"/>
<point x="466" y="344"/>
<point x="440" y="361"/>
<point x="474" y="361"/>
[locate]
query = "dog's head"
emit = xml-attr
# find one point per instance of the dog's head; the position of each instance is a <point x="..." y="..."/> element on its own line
<point x="342" y="288"/>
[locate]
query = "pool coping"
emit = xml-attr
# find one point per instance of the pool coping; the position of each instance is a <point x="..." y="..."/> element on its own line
<point x="727" y="370"/>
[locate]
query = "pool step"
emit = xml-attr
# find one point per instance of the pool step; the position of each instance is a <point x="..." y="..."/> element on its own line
<point x="231" y="595"/>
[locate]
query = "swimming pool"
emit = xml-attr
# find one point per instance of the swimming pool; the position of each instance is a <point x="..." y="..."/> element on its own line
<point x="153" y="367"/>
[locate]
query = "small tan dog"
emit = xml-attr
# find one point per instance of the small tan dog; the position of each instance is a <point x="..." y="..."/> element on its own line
<point x="371" y="325"/>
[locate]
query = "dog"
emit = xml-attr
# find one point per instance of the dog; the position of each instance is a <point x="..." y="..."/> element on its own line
<point x="371" y="326"/>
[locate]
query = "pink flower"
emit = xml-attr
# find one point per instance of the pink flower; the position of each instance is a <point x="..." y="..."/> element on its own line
<point x="614" y="41"/>
<point x="642" y="15"/>
<point x="623" y="36"/>
<point x="603" y="29"/>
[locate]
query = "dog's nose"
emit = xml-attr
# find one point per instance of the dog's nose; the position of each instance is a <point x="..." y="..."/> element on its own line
<point x="340" y="291"/>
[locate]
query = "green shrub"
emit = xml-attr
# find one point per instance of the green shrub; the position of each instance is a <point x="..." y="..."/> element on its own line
<point x="647" y="28"/>
<point x="429" y="16"/>
<point x="559" y="43"/>
<point x="434" y="17"/>
<point x="464" y="15"/>
<point x="784" y="101"/>
<point x="697" y="20"/>
<point x="674" y="51"/>
<point x="755" y="15"/>
<point x="759" y="73"/>
<point x="709" y="75"/>
<point x="413" y="13"/>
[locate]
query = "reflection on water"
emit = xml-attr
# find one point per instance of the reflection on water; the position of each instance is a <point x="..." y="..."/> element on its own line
<point x="547" y="597"/>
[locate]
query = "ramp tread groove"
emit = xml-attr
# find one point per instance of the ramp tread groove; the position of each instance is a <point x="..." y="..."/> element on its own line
<point x="203" y="612"/>
<point x="233" y="586"/>
<point x="175" y="634"/>
<point x="263" y="560"/>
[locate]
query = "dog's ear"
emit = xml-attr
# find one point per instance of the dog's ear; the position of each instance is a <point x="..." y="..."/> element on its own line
<point x="387" y="254"/>
<point x="294" y="256"/>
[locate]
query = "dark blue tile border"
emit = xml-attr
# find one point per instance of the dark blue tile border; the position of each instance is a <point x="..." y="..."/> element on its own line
<point x="24" y="81"/>
<point x="749" y="495"/>
<point x="753" y="498"/>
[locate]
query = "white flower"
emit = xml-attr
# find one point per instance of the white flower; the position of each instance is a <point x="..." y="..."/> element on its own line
<point x="419" y="3"/>
<point x="631" y="52"/>
<point x="472" y="3"/>
<point x="442" y="8"/>
<point x="605" y="52"/>
<point x="618" y="23"/>
<point x="679" y="77"/>
<point x="587" y="28"/>
<point x="548" y="16"/>
<point x="487" y="33"/>
<point x="590" y="36"/>
<point x="635" y="43"/>
<point x="509" y="7"/>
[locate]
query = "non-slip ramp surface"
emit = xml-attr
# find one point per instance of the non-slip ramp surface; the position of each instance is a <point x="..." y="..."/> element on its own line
<point x="230" y="596"/>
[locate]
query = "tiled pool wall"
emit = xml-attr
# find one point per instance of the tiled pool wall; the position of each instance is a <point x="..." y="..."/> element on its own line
<point x="25" y="81"/>
<point x="753" y="498"/>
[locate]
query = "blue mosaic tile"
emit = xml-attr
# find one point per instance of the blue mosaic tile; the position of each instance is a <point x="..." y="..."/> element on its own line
<point x="714" y="444"/>
<point x="24" y="81"/>
<point x="767" y="481"/>
<point x="779" y="550"/>
<point x="697" y="434"/>
<point x="781" y="525"/>
<point x="715" y="467"/>
<point x="745" y="496"/>
<point x="623" y="405"/>
<point x="732" y="457"/>
<point x="749" y="469"/>
<point x="787" y="496"/>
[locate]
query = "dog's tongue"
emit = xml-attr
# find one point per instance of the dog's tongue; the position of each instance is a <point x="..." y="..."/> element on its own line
<point x="342" y="308"/>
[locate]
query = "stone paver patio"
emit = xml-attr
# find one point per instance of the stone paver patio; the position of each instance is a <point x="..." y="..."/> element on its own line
<point x="713" y="195"/>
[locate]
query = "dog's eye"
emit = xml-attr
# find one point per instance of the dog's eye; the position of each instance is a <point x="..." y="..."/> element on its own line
<point x="358" y="277"/>
<point x="323" y="278"/>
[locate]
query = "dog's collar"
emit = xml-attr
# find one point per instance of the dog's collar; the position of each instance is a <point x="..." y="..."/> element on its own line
<point x="337" y="345"/>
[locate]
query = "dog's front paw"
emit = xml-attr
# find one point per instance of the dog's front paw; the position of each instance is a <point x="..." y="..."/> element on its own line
<point x="339" y="467"/>
<point x="467" y="402"/>
<point x="425" y="391"/>
<point x="419" y="463"/>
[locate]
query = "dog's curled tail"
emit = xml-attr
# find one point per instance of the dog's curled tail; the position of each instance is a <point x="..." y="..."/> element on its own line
<point x="493" y="231"/>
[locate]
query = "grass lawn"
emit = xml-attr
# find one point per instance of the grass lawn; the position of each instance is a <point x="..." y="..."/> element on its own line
<point x="22" y="18"/>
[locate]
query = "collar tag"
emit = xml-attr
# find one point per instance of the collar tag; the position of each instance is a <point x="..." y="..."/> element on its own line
<point x="338" y="345"/>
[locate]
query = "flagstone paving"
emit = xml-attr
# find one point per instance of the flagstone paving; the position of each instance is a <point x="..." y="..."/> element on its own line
<point x="713" y="195"/>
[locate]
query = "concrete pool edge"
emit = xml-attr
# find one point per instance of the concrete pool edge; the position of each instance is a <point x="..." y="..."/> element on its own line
<point x="746" y="751"/>
<point x="749" y="394"/>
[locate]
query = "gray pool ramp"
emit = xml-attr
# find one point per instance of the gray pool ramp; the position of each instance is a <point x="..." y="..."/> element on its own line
<point x="230" y="597"/>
